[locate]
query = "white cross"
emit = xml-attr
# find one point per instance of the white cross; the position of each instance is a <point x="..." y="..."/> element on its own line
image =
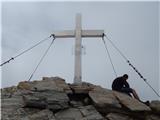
<point x="78" y="33"/>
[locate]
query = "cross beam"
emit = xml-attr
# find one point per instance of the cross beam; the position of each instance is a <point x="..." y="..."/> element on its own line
<point x="78" y="33"/>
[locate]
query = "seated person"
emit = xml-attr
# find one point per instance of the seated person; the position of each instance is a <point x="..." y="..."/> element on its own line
<point x="120" y="84"/>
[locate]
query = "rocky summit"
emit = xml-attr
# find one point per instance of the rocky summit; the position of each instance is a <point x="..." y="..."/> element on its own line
<point x="53" y="99"/>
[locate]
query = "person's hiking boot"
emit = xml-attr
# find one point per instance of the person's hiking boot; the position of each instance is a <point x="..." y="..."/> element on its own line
<point x="146" y="102"/>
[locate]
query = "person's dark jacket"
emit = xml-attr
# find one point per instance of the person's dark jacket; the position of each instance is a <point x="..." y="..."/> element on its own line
<point x="119" y="83"/>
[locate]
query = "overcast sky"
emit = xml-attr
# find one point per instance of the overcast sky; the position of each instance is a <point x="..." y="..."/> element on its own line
<point x="132" y="26"/>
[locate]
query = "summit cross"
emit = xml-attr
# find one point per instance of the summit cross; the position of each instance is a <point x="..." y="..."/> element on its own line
<point x="78" y="33"/>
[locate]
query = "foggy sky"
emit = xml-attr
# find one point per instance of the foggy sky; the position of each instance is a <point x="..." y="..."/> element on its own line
<point x="132" y="26"/>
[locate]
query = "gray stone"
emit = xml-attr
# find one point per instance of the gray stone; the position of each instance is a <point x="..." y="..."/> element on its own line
<point x="8" y="92"/>
<point x="104" y="98"/>
<point x="48" y="83"/>
<point x="69" y="114"/>
<point x="53" y="100"/>
<point x="80" y="88"/>
<point x="13" y="102"/>
<point x="10" y="107"/>
<point x="152" y="117"/>
<point x="117" y="116"/>
<point x="42" y="115"/>
<point x="155" y="105"/>
<point x="90" y="113"/>
<point x="131" y="103"/>
<point x="76" y="103"/>
<point x="16" y="114"/>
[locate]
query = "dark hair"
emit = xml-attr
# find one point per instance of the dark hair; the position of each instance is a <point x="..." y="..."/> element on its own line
<point x="125" y="76"/>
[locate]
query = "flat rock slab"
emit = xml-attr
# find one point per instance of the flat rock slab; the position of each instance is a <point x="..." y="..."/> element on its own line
<point x="117" y="116"/>
<point x="53" y="100"/>
<point x="69" y="114"/>
<point x="17" y="114"/>
<point x="42" y="115"/>
<point x="80" y="88"/>
<point x="90" y="113"/>
<point x="131" y="103"/>
<point x="104" y="98"/>
<point x="13" y="102"/>
<point x="80" y="113"/>
<point x="48" y="83"/>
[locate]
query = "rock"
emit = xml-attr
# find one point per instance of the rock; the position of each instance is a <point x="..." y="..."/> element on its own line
<point x="54" y="100"/>
<point x="17" y="114"/>
<point x="42" y="115"/>
<point x="10" y="107"/>
<point x="76" y="103"/>
<point x="103" y="98"/>
<point x="35" y="102"/>
<point x="62" y="84"/>
<point x="155" y="105"/>
<point x="131" y="103"/>
<point x="90" y="113"/>
<point x="80" y="88"/>
<point x="46" y="84"/>
<point x="8" y="92"/>
<point x="69" y="114"/>
<point x="152" y="117"/>
<point x="25" y="85"/>
<point x="51" y="83"/>
<point x="117" y="116"/>
<point x="80" y="113"/>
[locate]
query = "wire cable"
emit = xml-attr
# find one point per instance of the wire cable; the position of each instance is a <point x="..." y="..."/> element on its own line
<point x="45" y="53"/>
<point x="109" y="56"/>
<point x="130" y="64"/>
<point x="12" y="58"/>
<point x="116" y="47"/>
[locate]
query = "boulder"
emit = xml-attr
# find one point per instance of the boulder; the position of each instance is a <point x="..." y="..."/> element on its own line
<point x="90" y="113"/>
<point x="80" y="113"/>
<point x="17" y="114"/>
<point x="8" y="92"/>
<point x="103" y="98"/>
<point x="80" y="89"/>
<point x="48" y="83"/>
<point x="24" y="85"/>
<point x="131" y="103"/>
<point x="69" y="114"/>
<point x="54" y="100"/>
<point x="42" y="115"/>
<point x="10" y="108"/>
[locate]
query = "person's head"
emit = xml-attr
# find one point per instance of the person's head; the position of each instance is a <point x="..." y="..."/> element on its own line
<point x="125" y="76"/>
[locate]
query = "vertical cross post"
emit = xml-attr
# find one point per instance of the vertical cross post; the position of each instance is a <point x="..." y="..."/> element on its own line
<point x="78" y="33"/>
<point x="78" y="43"/>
